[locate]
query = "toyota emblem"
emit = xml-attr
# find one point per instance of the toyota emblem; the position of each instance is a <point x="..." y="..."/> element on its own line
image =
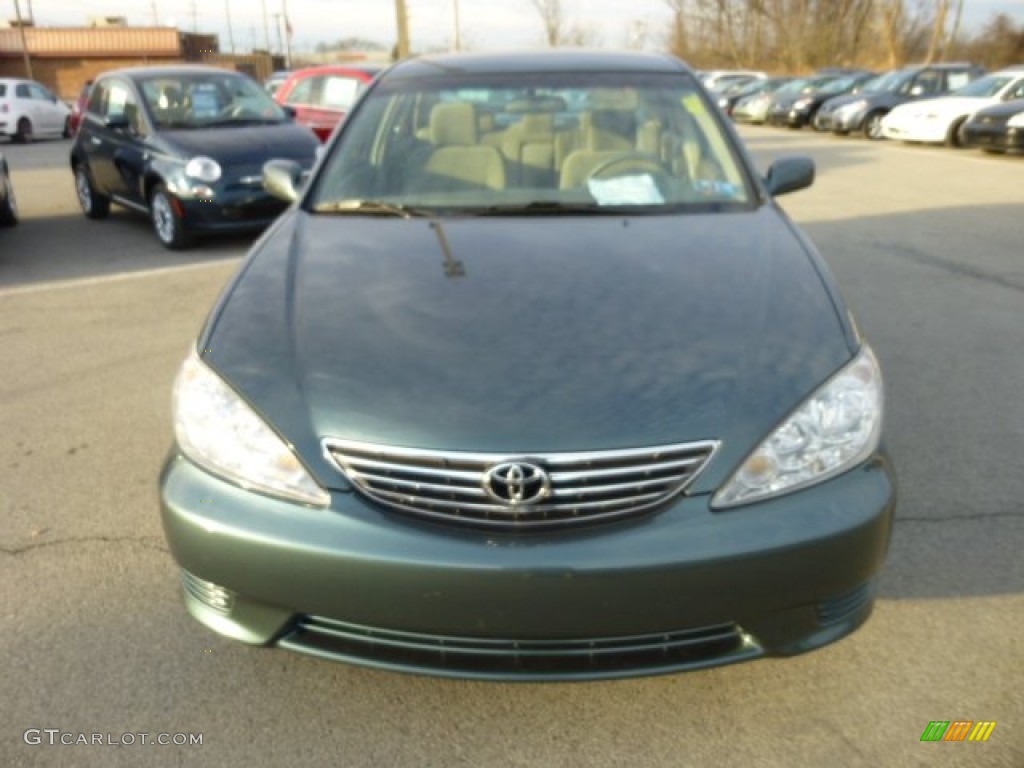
<point x="516" y="483"/>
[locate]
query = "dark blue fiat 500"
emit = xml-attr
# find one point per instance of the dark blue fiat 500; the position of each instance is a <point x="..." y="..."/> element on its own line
<point x="533" y="380"/>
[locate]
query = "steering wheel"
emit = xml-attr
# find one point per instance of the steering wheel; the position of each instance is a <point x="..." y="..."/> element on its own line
<point x="631" y="162"/>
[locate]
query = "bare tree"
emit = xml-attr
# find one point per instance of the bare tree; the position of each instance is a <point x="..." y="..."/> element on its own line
<point x="554" y="21"/>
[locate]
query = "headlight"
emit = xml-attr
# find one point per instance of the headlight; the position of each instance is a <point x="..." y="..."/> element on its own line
<point x="1017" y="121"/>
<point x="802" y="104"/>
<point x="222" y="434"/>
<point x="836" y="428"/>
<point x="203" y="169"/>
<point x="723" y="102"/>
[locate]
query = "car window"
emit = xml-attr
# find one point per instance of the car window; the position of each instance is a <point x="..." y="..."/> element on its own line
<point x="120" y="103"/>
<point x="302" y="93"/>
<point x="3" y="90"/>
<point x="22" y="91"/>
<point x="924" y="84"/>
<point x="958" y="81"/>
<point x="200" y="99"/>
<point x="339" y="92"/>
<point x="1015" y="92"/>
<point x="597" y="141"/>
<point x="39" y="93"/>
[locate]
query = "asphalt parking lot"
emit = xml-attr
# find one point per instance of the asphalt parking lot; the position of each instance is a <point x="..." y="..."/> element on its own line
<point x="928" y="246"/>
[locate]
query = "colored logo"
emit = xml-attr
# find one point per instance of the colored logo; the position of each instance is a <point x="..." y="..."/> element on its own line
<point x="958" y="730"/>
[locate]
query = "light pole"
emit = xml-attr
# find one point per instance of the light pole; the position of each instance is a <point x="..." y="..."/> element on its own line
<point x="231" y="32"/>
<point x="24" y="45"/>
<point x="458" y="33"/>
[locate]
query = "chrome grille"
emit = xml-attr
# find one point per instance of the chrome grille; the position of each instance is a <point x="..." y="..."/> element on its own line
<point x="584" y="487"/>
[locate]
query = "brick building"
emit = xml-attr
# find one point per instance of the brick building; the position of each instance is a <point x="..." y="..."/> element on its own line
<point x="64" y="58"/>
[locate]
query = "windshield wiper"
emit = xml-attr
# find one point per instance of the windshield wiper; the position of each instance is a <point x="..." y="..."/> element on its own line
<point x="542" y="208"/>
<point x="370" y="208"/>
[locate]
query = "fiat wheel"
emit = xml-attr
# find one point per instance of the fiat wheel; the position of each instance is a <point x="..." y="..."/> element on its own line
<point x="167" y="221"/>
<point x="94" y="205"/>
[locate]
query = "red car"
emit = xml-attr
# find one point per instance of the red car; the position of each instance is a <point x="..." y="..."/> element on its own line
<point x="322" y="96"/>
<point x="78" y="108"/>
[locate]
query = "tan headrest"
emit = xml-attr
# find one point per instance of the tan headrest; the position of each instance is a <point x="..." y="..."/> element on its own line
<point x="453" y="125"/>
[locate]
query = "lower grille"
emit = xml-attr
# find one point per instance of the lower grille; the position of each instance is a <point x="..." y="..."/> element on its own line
<point x="519" y="492"/>
<point x="485" y="658"/>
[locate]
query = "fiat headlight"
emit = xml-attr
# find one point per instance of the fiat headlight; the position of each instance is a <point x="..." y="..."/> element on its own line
<point x="204" y="169"/>
<point x="218" y="431"/>
<point x="836" y="428"/>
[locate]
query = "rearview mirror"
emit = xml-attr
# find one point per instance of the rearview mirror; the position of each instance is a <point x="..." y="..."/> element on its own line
<point x="789" y="174"/>
<point x="282" y="179"/>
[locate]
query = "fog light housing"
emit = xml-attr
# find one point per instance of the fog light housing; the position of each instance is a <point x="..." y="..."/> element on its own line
<point x="213" y="596"/>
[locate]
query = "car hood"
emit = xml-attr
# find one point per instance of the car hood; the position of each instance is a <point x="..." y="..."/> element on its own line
<point x="247" y="144"/>
<point x="529" y="335"/>
<point x="1003" y="109"/>
<point x="952" y="106"/>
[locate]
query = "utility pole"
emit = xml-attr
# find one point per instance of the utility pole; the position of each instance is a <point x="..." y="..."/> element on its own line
<point x="287" y="35"/>
<point x="403" y="29"/>
<point x="24" y="45"/>
<point x="231" y="32"/>
<point x="458" y="33"/>
<point x="277" y="25"/>
<point x="266" y="27"/>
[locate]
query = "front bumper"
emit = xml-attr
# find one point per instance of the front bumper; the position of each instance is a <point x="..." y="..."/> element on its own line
<point x="931" y="132"/>
<point x="840" y="121"/>
<point x="238" y="210"/>
<point x="997" y="137"/>
<point x="680" y="589"/>
<point x="793" y="118"/>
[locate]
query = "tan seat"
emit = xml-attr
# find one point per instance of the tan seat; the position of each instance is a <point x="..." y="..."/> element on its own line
<point x="457" y="161"/>
<point x="529" y="146"/>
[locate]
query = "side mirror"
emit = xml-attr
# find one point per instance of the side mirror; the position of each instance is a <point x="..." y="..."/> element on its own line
<point x="290" y="111"/>
<point x="282" y="179"/>
<point x="789" y="174"/>
<point x="917" y="90"/>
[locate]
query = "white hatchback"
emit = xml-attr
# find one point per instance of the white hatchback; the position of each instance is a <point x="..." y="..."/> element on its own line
<point x="29" y="109"/>
<point x="939" y="120"/>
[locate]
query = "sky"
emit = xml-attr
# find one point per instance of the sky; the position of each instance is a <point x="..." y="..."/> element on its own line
<point x="484" y="24"/>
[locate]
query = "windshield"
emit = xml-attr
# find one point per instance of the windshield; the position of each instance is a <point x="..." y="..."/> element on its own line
<point x="202" y="99"/>
<point x="886" y="83"/>
<point x="538" y="143"/>
<point x="841" y="85"/>
<point x="984" y="87"/>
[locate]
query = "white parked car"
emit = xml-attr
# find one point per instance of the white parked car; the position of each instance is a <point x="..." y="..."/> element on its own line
<point x="29" y="109"/>
<point x="717" y="80"/>
<point x="940" y="120"/>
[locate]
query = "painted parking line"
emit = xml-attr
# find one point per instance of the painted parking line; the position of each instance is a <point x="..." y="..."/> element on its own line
<point x="115" y="277"/>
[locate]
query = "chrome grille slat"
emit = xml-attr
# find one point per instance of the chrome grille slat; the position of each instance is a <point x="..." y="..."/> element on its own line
<point x="416" y="485"/>
<point x="585" y="487"/>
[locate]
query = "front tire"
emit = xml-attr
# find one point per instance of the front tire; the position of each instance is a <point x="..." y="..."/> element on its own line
<point x="873" y="126"/>
<point x="24" y="133"/>
<point x="8" y="206"/>
<point x="67" y="128"/>
<point x="94" y="205"/>
<point x="167" y="223"/>
<point x="955" y="137"/>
